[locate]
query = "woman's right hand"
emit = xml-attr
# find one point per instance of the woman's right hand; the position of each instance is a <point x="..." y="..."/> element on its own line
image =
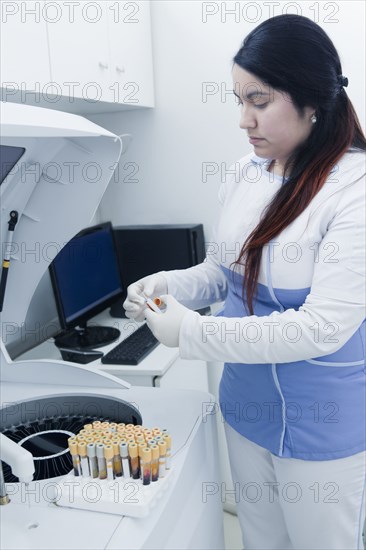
<point x="151" y="287"/>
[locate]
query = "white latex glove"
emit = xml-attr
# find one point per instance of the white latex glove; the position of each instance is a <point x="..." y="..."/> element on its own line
<point x="151" y="286"/>
<point x="165" y="326"/>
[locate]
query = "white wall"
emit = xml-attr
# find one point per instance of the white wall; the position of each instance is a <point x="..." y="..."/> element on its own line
<point x="173" y="141"/>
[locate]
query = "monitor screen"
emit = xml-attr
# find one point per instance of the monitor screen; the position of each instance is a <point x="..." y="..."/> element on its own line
<point x="86" y="280"/>
<point x="9" y="156"/>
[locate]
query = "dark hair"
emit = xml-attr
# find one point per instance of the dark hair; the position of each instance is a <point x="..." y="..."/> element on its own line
<point x="293" y="54"/>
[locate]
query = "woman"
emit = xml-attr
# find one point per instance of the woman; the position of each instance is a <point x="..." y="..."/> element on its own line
<point x="291" y="333"/>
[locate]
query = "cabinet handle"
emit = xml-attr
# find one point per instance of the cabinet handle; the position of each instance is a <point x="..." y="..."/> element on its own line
<point x="120" y="69"/>
<point x="103" y="65"/>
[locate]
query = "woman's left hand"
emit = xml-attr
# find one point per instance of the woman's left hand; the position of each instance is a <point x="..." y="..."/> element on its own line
<point x="165" y="326"/>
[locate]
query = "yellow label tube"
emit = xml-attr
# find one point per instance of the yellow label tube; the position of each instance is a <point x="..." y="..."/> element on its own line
<point x="117" y="462"/>
<point x="154" y="462"/>
<point x="108" y="455"/>
<point x="73" y="447"/>
<point x="146" y="465"/>
<point x="133" y="451"/>
<point x="141" y="446"/>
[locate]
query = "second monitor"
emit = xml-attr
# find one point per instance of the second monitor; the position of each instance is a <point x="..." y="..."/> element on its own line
<point x="146" y="249"/>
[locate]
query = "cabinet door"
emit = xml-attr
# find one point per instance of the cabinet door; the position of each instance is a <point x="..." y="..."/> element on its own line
<point x="131" y="52"/>
<point x="185" y="374"/>
<point x="24" y="53"/>
<point x="79" y="51"/>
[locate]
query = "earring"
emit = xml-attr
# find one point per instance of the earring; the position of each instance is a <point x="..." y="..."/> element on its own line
<point x="313" y="118"/>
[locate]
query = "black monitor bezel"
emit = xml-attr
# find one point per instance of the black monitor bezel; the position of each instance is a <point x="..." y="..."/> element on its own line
<point x="82" y="319"/>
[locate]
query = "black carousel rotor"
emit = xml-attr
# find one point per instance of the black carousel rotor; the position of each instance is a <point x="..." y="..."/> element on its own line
<point x="32" y="425"/>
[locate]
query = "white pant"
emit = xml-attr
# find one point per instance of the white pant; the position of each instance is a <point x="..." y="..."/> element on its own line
<point x="288" y="503"/>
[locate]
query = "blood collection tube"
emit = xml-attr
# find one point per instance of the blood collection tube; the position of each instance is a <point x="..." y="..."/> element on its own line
<point x="141" y="446"/>
<point x="152" y="305"/>
<point x="146" y="461"/>
<point x="108" y="455"/>
<point x="158" y="301"/>
<point x="168" y="440"/>
<point x="93" y="465"/>
<point x="88" y="427"/>
<point x="123" y="449"/>
<point x="154" y="462"/>
<point x="162" y="458"/>
<point x="85" y="472"/>
<point x="104" y="426"/>
<point x="117" y="463"/>
<point x="96" y="425"/>
<point x="73" y="447"/>
<point x="133" y="451"/>
<point x="102" y="466"/>
<point x="113" y="426"/>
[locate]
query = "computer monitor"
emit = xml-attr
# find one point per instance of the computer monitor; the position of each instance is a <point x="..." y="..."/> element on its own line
<point x="9" y="156"/>
<point x="86" y="279"/>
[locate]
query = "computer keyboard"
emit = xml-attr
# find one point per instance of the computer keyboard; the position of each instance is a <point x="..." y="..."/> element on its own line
<point x="133" y="349"/>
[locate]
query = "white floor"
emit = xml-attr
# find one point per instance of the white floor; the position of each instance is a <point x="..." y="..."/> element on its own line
<point x="232" y="532"/>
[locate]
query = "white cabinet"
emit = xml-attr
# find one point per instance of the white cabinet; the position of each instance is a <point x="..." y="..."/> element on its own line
<point x="131" y="55"/>
<point x="83" y="54"/>
<point x="24" y="52"/>
<point x="185" y="374"/>
<point x="79" y="52"/>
